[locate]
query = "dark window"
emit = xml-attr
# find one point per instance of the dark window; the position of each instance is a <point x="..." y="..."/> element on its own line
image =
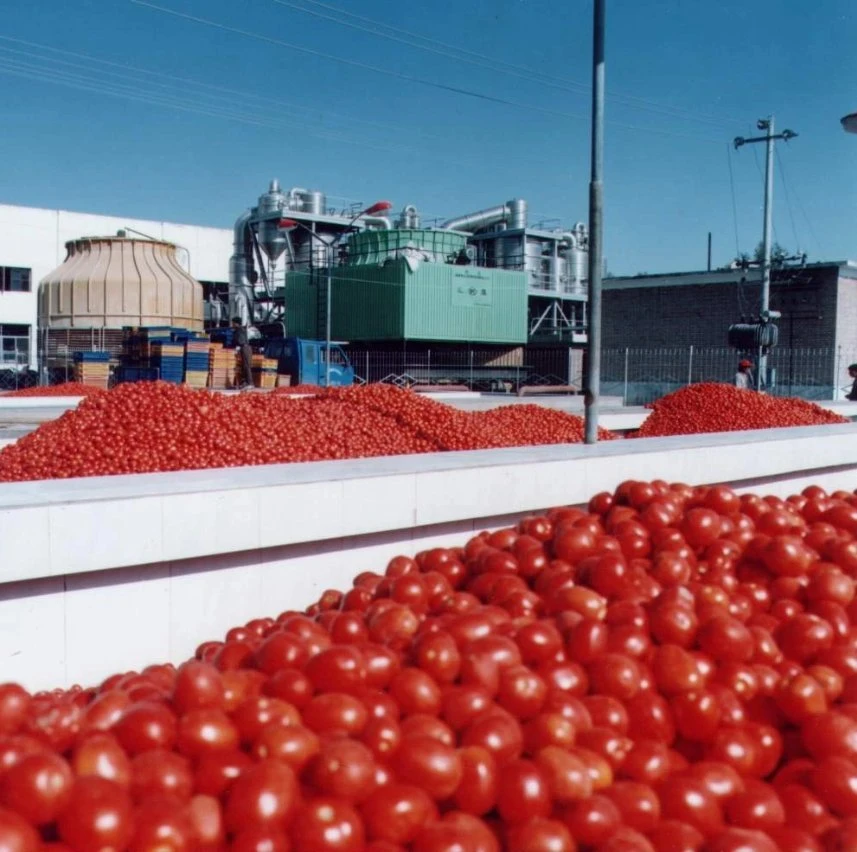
<point x="337" y="356"/>
<point x="215" y="290"/>
<point x="14" y="279"/>
<point x="14" y="344"/>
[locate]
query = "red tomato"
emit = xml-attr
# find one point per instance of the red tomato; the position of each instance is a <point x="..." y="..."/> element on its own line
<point x="327" y="825"/>
<point x="343" y="768"/>
<point x="396" y="812"/>
<point x="264" y="795"/>
<point x="98" y="815"/>
<point x="16" y="834"/>
<point x="38" y="787"/>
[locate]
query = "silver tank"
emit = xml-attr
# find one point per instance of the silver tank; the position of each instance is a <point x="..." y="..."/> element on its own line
<point x="518" y="214"/>
<point x="562" y="273"/>
<point x="536" y="265"/>
<point x="311" y="251"/>
<point x="314" y="202"/>
<point x="272" y="240"/>
<point x="274" y="200"/>
<point x="509" y="252"/>
<point x="578" y="272"/>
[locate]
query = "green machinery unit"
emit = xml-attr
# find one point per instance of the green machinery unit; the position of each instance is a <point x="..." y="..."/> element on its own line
<point x="409" y="284"/>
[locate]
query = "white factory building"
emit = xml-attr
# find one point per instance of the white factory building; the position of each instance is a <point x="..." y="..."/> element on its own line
<point x="32" y="244"/>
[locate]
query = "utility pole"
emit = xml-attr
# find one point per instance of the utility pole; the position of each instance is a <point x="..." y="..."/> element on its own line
<point x="596" y="229"/>
<point x="709" y="251"/>
<point x="765" y="313"/>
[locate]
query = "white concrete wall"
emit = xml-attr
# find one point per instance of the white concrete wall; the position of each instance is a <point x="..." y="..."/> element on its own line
<point x="110" y="574"/>
<point x="35" y="238"/>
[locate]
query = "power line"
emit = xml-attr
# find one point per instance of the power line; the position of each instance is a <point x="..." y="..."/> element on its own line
<point x="71" y="79"/>
<point x="352" y="62"/>
<point x="788" y="200"/>
<point x="802" y="209"/>
<point x="432" y="45"/>
<point x="174" y="80"/>
<point x="397" y="74"/>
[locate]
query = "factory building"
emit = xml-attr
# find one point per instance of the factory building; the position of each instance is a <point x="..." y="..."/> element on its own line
<point x="33" y="243"/>
<point x="293" y="264"/>
<point x="685" y="317"/>
<point x="487" y="277"/>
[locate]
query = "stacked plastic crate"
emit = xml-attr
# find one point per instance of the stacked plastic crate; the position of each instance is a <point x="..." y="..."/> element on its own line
<point x="221" y="367"/>
<point x="168" y="359"/>
<point x="264" y="371"/>
<point x="196" y="361"/>
<point x="134" y="361"/>
<point x="92" y="368"/>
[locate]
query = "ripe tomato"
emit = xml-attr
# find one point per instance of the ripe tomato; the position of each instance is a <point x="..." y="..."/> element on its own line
<point x="327" y="824"/>
<point x="264" y="795"/>
<point x="396" y="812"/>
<point x="344" y="769"/>
<point x="16" y="834"/>
<point x="97" y="815"/>
<point x="38" y="787"/>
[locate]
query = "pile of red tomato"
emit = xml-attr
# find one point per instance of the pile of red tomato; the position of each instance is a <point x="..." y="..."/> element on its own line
<point x="310" y="390"/>
<point x="714" y="407"/>
<point x="670" y="669"/>
<point x="65" y="389"/>
<point x="156" y="426"/>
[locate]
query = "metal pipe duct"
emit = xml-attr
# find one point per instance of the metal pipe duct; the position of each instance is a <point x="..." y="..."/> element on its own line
<point x="240" y="266"/>
<point x="513" y="212"/>
<point x="408" y="218"/>
<point x="380" y="222"/>
<point x="296" y="194"/>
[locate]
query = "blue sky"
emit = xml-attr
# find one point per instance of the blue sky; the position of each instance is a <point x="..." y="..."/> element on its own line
<point x="683" y="79"/>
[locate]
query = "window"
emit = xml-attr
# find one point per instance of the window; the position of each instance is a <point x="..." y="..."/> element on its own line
<point x="14" y="279"/>
<point x="14" y="344"/>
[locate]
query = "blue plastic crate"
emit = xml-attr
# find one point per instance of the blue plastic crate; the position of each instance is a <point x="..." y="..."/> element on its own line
<point x="91" y="357"/>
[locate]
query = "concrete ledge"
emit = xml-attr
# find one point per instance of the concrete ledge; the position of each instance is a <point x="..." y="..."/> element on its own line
<point x="106" y="574"/>
<point x="71" y="526"/>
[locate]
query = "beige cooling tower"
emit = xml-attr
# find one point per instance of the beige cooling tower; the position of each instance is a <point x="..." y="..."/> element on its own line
<point x="111" y="282"/>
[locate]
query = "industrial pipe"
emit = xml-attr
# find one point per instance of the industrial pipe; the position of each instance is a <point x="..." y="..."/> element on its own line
<point x="513" y="211"/>
<point x="295" y="193"/>
<point x="240" y="265"/>
<point x="380" y="222"/>
<point x="409" y="217"/>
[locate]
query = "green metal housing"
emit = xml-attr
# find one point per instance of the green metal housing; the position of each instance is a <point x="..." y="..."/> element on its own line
<point x="407" y="299"/>
<point x="374" y="247"/>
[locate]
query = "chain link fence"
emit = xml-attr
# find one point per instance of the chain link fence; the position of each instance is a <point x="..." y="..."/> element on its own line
<point x="476" y="369"/>
<point x="641" y="375"/>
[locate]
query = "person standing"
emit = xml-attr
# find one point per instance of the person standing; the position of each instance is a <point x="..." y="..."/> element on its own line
<point x="744" y="376"/>
<point x="241" y="339"/>
<point x="852" y="372"/>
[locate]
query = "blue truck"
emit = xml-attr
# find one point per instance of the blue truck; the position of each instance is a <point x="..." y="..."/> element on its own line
<point x="304" y="361"/>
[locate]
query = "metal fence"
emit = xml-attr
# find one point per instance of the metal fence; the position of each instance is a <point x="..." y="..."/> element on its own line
<point x="642" y="375"/>
<point x="15" y="372"/>
<point x="477" y="369"/>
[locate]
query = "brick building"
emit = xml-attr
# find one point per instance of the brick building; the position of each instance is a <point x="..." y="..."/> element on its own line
<point x="668" y="329"/>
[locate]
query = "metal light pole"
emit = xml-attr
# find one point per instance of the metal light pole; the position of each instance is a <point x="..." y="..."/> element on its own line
<point x="765" y="313"/>
<point x="596" y="228"/>
<point x="288" y="224"/>
<point x="328" y="312"/>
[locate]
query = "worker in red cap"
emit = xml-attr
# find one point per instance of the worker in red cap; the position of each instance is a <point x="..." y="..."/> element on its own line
<point x="744" y="376"/>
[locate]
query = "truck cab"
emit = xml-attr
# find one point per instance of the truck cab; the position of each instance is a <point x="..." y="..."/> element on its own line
<point x="304" y="361"/>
